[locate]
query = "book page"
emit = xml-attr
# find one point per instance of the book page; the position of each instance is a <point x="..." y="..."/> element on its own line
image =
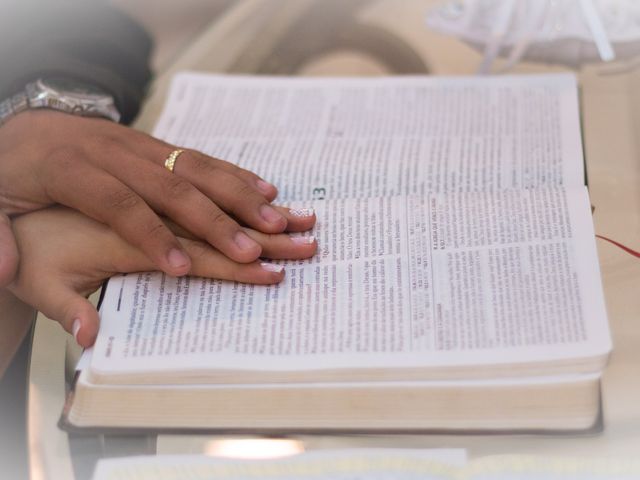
<point x="347" y="137"/>
<point x="348" y="464"/>
<point x="381" y="464"/>
<point x="465" y="280"/>
<point x="535" y="467"/>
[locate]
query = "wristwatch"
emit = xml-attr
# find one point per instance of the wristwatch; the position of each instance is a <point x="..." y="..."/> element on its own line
<point x="63" y="94"/>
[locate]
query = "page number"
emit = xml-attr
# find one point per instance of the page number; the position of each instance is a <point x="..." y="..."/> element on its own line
<point x="319" y="193"/>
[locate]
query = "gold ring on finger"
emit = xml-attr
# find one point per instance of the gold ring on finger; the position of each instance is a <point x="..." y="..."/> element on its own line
<point x="170" y="162"/>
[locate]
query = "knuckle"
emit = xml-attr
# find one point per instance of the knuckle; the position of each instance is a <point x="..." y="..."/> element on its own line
<point x="273" y="238"/>
<point x="178" y="187"/>
<point x="155" y="230"/>
<point x="198" y="250"/>
<point x="201" y="163"/>
<point x="219" y="218"/>
<point x="65" y="156"/>
<point x="106" y="142"/>
<point x="245" y="191"/>
<point x="122" y="199"/>
<point x="222" y="227"/>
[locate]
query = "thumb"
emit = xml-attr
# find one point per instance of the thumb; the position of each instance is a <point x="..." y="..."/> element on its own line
<point x="61" y="303"/>
<point x="81" y="319"/>
<point x="8" y="251"/>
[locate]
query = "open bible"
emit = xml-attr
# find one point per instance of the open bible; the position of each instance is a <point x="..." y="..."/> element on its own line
<point x="456" y="286"/>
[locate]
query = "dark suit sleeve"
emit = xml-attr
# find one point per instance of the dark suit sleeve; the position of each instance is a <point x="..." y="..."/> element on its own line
<point x="89" y="40"/>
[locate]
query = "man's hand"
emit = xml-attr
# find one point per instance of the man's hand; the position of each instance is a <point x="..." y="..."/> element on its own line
<point x="116" y="175"/>
<point x="65" y="256"/>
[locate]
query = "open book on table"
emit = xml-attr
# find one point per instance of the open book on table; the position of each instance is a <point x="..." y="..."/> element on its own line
<point x="456" y="286"/>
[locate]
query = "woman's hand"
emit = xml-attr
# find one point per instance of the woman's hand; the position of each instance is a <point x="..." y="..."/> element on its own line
<point x="65" y="256"/>
<point x="116" y="175"/>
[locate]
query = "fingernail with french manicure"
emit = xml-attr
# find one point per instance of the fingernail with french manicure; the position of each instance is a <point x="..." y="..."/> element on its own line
<point x="75" y="328"/>
<point x="302" y="212"/>
<point x="270" y="214"/>
<point x="300" y="240"/>
<point x="177" y="258"/>
<point x="270" y="267"/>
<point x="245" y="242"/>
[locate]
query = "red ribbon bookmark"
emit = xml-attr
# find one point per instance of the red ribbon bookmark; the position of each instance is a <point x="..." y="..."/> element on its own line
<point x="619" y="245"/>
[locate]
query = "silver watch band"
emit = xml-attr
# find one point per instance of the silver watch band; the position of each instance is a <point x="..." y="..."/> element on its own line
<point x="39" y="95"/>
<point x="12" y="106"/>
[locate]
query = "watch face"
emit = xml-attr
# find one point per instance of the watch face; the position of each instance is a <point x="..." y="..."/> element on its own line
<point x="71" y="87"/>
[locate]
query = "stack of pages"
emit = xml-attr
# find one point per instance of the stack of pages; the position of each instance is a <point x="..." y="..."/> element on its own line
<point x="456" y="286"/>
